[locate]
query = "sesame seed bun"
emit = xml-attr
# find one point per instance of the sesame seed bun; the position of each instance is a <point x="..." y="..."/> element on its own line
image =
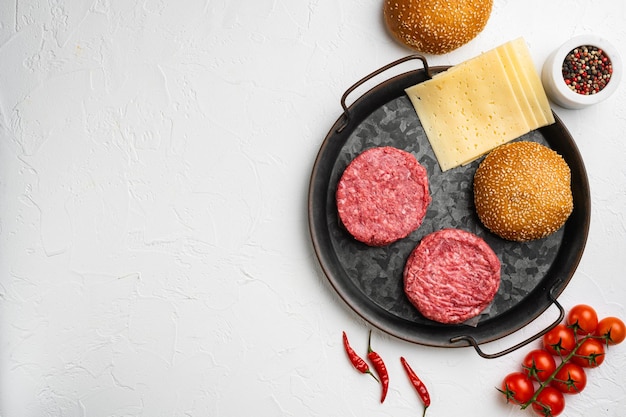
<point x="522" y="191"/>
<point x="436" y="26"/>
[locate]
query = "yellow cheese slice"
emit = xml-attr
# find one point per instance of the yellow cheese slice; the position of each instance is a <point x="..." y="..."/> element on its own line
<point x="481" y="103"/>
<point x="468" y="111"/>
<point x="521" y="89"/>
<point x="520" y="52"/>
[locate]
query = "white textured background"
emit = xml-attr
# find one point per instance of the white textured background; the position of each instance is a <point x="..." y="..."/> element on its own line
<point x="154" y="249"/>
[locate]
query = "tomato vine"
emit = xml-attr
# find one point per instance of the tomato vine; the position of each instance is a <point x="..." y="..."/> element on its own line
<point x="579" y="344"/>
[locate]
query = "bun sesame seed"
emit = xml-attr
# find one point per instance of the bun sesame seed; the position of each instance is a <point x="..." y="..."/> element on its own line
<point x="436" y="26"/>
<point x="522" y="191"/>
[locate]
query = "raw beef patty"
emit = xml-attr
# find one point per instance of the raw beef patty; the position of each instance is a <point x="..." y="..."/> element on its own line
<point x="382" y="195"/>
<point x="451" y="276"/>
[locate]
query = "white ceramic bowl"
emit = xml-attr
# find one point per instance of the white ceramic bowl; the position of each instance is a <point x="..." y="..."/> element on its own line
<point x="552" y="76"/>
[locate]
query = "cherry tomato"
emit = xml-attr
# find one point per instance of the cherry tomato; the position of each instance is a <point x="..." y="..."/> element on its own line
<point x="550" y="402"/>
<point x="583" y="319"/>
<point x="539" y="364"/>
<point x="589" y="354"/>
<point x="561" y="340"/>
<point x="570" y="379"/>
<point x="518" y="388"/>
<point x="612" y="329"/>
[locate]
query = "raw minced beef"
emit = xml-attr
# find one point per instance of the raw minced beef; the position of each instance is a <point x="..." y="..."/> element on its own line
<point x="451" y="276"/>
<point x="383" y="195"/>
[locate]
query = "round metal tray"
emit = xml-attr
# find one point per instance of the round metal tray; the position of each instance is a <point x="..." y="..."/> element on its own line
<point x="369" y="279"/>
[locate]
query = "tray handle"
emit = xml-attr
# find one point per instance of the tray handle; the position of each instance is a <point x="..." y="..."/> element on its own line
<point x="474" y="344"/>
<point x="346" y="112"/>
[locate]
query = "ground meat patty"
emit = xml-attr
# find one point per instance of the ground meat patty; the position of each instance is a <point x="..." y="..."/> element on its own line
<point x="451" y="276"/>
<point x="383" y="195"/>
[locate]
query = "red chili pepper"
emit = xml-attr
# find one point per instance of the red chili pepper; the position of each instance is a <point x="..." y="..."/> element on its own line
<point x="417" y="384"/>
<point x="379" y="366"/>
<point x="356" y="360"/>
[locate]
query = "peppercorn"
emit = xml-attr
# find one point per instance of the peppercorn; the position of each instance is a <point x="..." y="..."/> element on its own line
<point x="587" y="70"/>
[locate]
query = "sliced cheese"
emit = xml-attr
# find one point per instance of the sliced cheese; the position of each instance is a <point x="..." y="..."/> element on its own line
<point x="527" y="85"/>
<point x="468" y="111"/>
<point x="481" y="103"/>
<point x="520" y="88"/>
<point x="520" y="52"/>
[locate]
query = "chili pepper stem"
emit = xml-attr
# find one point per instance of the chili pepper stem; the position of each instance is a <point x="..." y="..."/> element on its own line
<point x="373" y="376"/>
